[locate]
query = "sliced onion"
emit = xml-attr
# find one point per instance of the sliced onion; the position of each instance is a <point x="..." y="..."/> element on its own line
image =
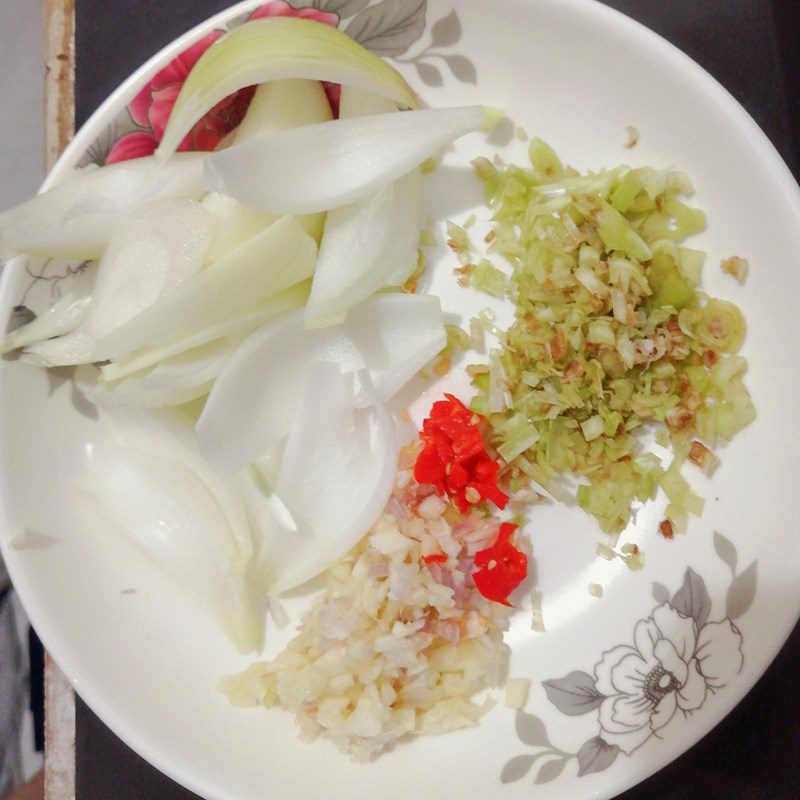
<point x="267" y="515"/>
<point x="397" y="335"/>
<point x="64" y="316"/>
<point x="133" y="395"/>
<point x="394" y="335"/>
<point x="155" y="488"/>
<point x="172" y="382"/>
<point x="76" y="347"/>
<point x="192" y="368"/>
<point x="234" y="328"/>
<point x="348" y="271"/>
<point x="259" y="388"/>
<point x="355" y="102"/>
<point x="282" y="106"/>
<point x="276" y="106"/>
<point x="279" y="257"/>
<point x="325" y="166"/>
<point x="354" y="237"/>
<point x="342" y="452"/>
<point x="76" y="219"/>
<point x="232" y="224"/>
<point x="159" y="249"/>
<point x="279" y="48"/>
<point x="369" y="244"/>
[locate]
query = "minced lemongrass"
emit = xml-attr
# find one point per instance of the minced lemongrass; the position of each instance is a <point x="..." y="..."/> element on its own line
<point x="605" y="552"/>
<point x="632" y="556"/>
<point x="611" y="334"/>
<point x="517" y="690"/>
<point x="738" y="267"/>
<point x="457" y="339"/>
<point x="485" y="277"/>
<point x="491" y="118"/>
<point x="700" y="455"/>
<point x="477" y="335"/>
<point x="427" y="238"/>
<point x="633" y="137"/>
<point x="458" y="239"/>
<point x="537" y="618"/>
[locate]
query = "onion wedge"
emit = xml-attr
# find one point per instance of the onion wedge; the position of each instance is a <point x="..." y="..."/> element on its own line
<point x="133" y="395"/>
<point x="342" y="452"/>
<point x="277" y="49"/>
<point x="234" y="328"/>
<point x="76" y="218"/>
<point x="276" y="106"/>
<point x="393" y="335"/>
<point x="149" y="480"/>
<point x="352" y="241"/>
<point x="369" y="244"/>
<point x="158" y="250"/>
<point x="66" y="314"/>
<point x="325" y="166"/>
<point x="172" y="382"/>
<point x="283" y="106"/>
<point x="279" y="257"/>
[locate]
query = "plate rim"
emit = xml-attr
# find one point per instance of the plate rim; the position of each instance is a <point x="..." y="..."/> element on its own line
<point x="612" y="19"/>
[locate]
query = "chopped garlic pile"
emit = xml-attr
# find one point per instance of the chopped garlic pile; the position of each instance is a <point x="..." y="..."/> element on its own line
<point x="397" y="645"/>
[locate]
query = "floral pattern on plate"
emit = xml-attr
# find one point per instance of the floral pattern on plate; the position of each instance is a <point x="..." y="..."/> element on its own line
<point x="677" y="660"/>
<point x="389" y="28"/>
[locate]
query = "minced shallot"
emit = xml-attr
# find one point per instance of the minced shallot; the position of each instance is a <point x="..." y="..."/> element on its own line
<point x="401" y="640"/>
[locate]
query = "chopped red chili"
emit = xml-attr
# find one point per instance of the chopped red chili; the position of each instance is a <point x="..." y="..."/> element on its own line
<point x="500" y="568"/>
<point x="435" y="558"/>
<point x="454" y="458"/>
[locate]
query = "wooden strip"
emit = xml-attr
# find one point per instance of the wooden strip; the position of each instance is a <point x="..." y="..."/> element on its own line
<point x="59" y="769"/>
<point x="59" y="77"/>
<point x="59" y="734"/>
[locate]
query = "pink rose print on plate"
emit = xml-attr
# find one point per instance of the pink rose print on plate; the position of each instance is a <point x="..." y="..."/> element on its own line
<point x="152" y="106"/>
<point x="280" y="8"/>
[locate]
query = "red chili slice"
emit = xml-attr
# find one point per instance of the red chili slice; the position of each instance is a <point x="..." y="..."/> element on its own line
<point x="458" y="477"/>
<point x="454" y="458"/>
<point x="430" y="469"/>
<point x="500" y="568"/>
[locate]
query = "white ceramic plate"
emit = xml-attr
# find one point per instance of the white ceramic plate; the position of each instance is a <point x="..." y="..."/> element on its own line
<point x="621" y="686"/>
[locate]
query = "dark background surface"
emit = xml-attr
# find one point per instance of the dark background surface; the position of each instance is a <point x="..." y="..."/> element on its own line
<point x="751" y="47"/>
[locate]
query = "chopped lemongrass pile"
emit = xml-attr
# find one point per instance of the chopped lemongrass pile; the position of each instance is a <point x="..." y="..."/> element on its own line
<point x="611" y="334"/>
